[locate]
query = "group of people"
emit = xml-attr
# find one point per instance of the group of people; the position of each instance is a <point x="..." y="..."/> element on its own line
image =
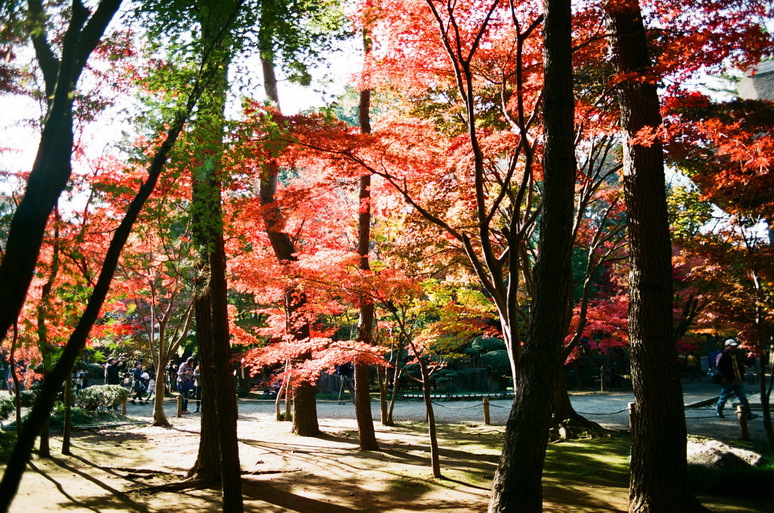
<point x="187" y="379"/>
<point x="143" y="383"/>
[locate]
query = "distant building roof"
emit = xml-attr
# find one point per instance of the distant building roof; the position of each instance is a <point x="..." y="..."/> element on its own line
<point x="759" y="86"/>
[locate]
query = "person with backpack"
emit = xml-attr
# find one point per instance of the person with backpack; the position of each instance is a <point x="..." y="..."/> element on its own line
<point x="731" y="368"/>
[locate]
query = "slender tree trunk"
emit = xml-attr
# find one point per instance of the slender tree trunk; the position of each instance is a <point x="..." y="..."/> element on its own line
<point x="44" y="344"/>
<point x="517" y="484"/>
<point x="220" y="410"/>
<point x="68" y="422"/>
<point x="305" y="404"/>
<point x="435" y="457"/>
<point x="365" y="422"/>
<point x="15" y="377"/>
<point x="395" y="389"/>
<point x="658" y="463"/>
<point x="382" y="377"/>
<point x="284" y="391"/>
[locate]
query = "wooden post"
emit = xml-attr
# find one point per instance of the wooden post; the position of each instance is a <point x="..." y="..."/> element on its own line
<point x="602" y="378"/>
<point x="631" y="407"/>
<point x="741" y="414"/>
<point x="180" y="405"/>
<point x="486" y="411"/>
<point x="123" y="406"/>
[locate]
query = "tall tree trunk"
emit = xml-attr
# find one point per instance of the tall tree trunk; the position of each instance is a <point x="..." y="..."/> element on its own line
<point x="224" y="387"/>
<point x="365" y="422"/>
<point x="211" y="303"/>
<point x="658" y="463"/>
<point x="305" y="405"/>
<point x="44" y="343"/>
<point x="207" y="465"/>
<point x="517" y="483"/>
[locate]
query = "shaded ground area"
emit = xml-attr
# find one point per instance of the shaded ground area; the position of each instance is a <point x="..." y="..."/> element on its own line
<point x="120" y="469"/>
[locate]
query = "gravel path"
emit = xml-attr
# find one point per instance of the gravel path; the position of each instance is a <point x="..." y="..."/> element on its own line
<point x="609" y="409"/>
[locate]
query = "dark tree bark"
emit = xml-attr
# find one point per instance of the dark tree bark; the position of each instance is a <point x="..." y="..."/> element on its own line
<point x="207" y="465"/>
<point x="365" y="421"/>
<point x="211" y="302"/>
<point x="658" y="468"/>
<point x="52" y="167"/>
<point x="67" y="428"/>
<point x="517" y="483"/>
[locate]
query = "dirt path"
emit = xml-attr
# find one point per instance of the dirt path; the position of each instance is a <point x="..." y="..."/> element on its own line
<point x="119" y="469"/>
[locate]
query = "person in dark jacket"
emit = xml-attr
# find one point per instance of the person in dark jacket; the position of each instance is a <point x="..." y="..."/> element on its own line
<point x="113" y="371"/>
<point x="139" y="384"/>
<point x="731" y="369"/>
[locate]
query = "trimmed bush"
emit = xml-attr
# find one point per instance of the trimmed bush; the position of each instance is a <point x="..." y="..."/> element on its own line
<point x="6" y="407"/>
<point x="28" y="397"/>
<point x="102" y="396"/>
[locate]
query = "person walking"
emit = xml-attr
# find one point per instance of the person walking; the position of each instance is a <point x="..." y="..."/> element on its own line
<point x="731" y="369"/>
<point x="197" y="389"/>
<point x="185" y="381"/>
<point x="139" y="384"/>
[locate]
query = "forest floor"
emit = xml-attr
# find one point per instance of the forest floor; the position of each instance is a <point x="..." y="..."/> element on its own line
<point x="139" y="468"/>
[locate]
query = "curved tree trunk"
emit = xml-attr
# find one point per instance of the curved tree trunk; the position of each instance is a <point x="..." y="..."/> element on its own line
<point x="565" y="421"/>
<point x="658" y="463"/>
<point x="159" y="416"/>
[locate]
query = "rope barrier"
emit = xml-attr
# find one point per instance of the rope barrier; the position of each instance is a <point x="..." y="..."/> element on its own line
<point x="611" y="413"/>
<point x="458" y="407"/>
<point x="443" y="405"/>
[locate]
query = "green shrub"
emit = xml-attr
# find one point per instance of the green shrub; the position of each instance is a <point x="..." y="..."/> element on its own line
<point x="102" y="396"/>
<point x="751" y="482"/>
<point x="84" y="418"/>
<point x="6" y="407"/>
<point x="28" y="397"/>
<point x="8" y="404"/>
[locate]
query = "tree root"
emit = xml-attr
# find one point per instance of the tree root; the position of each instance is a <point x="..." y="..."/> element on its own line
<point x="575" y="427"/>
